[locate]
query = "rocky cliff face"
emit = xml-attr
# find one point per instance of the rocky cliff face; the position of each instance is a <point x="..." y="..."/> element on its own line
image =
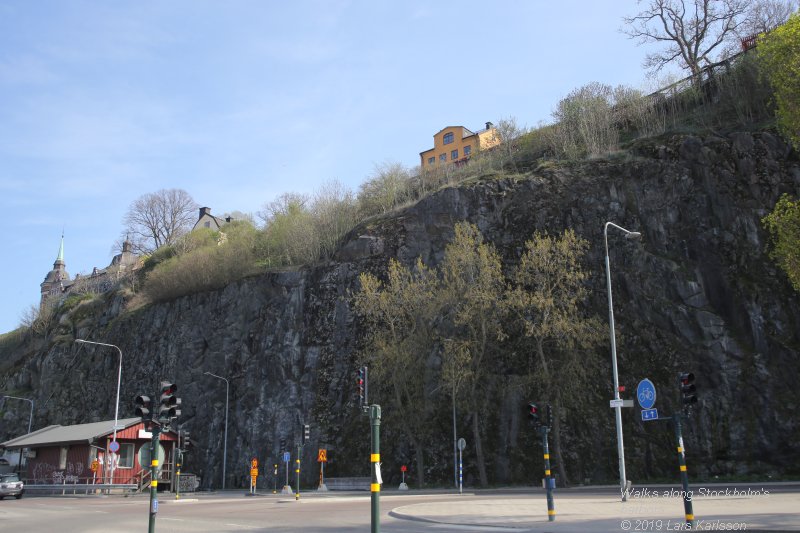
<point x="698" y="293"/>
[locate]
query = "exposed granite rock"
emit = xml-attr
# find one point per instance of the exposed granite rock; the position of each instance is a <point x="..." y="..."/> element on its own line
<point x="699" y="293"/>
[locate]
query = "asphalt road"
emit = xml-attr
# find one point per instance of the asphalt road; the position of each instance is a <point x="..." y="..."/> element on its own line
<point x="594" y="509"/>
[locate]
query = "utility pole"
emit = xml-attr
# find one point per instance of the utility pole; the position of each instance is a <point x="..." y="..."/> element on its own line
<point x="156" y="431"/>
<point x="375" y="459"/>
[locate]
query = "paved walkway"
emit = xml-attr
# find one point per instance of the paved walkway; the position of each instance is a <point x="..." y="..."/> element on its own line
<point x="648" y="512"/>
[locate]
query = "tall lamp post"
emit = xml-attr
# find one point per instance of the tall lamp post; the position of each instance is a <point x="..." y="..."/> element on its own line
<point x="618" y="409"/>
<point x="225" y="445"/>
<point x="30" y="422"/>
<point x="116" y="409"/>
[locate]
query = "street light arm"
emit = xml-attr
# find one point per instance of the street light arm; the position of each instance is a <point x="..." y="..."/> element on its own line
<point x="225" y="450"/>
<point x="116" y="409"/>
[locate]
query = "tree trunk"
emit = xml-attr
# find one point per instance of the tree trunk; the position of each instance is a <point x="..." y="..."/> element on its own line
<point x="476" y="434"/>
<point x="420" y="456"/>
<point x="562" y="470"/>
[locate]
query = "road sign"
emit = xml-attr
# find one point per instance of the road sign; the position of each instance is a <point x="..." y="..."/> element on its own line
<point x="462" y="444"/>
<point x="404" y="468"/>
<point x="287" y="457"/>
<point x="113" y="447"/>
<point x="646" y="394"/>
<point x="649" y="414"/>
<point x="254" y="472"/>
<point x="95" y="465"/>
<point x="253" y="463"/>
<point x="322" y="455"/>
<point x="620" y="403"/>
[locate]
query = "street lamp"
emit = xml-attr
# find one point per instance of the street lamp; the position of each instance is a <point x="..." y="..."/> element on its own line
<point x="30" y="422"/>
<point x="225" y="445"/>
<point x="116" y="410"/>
<point x="618" y="408"/>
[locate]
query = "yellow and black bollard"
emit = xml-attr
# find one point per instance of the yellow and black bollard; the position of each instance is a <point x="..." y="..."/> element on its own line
<point x="687" y="496"/>
<point x="549" y="480"/>
<point x="297" y="472"/>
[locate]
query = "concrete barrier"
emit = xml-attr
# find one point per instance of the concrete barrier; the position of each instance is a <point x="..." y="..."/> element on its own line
<point x="347" y="483"/>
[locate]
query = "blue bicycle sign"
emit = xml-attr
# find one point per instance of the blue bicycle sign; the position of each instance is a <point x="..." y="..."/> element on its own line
<point x="646" y="394"/>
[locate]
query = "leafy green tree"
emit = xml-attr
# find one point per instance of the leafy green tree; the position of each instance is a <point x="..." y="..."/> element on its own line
<point x="546" y="298"/>
<point x="335" y="212"/>
<point x="779" y="52"/>
<point x="783" y="225"/>
<point x="398" y="314"/>
<point x="586" y="122"/>
<point x="472" y="300"/>
<point x="289" y="227"/>
<point x="387" y="187"/>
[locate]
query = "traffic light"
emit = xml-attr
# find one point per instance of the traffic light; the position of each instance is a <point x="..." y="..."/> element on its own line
<point x="533" y="414"/>
<point x="688" y="390"/>
<point x="144" y="407"/>
<point x="549" y="415"/>
<point x="306" y="433"/>
<point x="362" y="386"/>
<point x="283" y="445"/>
<point x="168" y="403"/>
<point x="187" y="441"/>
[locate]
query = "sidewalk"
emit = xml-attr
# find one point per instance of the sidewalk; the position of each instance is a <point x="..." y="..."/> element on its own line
<point x="779" y="512"/>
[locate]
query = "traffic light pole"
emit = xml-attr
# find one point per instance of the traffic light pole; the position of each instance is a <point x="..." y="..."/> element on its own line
<point x="297" y="471"/>
<point x="548" y="476"/>
<point x="375" y="460"/>
<point x="154" y="477"/>
<point x="178" y="461"/>
<point x="687" y="498"/>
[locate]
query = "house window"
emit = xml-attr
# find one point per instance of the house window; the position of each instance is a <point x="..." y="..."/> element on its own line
<point x="125" y="455"/>
<point x="454" y="155"/>
<point x="448" y="138"/>
<point x="62" y="458"/>
<point x="467" y="150"/>
<point x="431" y="160"/>
<point x="442" y="157"/>
<point x="207" y="223"/>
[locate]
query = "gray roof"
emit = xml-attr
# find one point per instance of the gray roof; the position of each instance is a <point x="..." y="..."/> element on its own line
<point x="68" y="434"/>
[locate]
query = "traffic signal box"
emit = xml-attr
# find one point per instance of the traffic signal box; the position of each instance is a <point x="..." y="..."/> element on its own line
<point x="144" y="408"/>
<point x="688" y="390"/>
<point x="533" y="414"/>
<point x="168" y="403"/>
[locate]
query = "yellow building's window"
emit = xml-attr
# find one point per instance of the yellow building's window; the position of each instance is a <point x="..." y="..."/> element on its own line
<point x="448" y="138"/>
<point x="442" y="157"/>
<point x="431" y="160"/>
<point x="467" y="150"/>
<point x="454" y="155"/>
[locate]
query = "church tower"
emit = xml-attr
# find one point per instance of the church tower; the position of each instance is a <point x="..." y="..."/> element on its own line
<point x="53" y="282"/>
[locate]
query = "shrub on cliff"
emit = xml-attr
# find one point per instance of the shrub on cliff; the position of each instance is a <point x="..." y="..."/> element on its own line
<point x="779" y="51"/>
<point x="783" y="225"/>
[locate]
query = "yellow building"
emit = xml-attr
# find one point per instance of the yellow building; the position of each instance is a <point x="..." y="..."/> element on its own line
<point x="456" y="144"/>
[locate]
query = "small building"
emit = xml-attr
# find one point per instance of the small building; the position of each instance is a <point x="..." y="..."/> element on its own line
<point x="65" y="454"/>
<point x="207" y="220"/>
<point x="456" y="144"/>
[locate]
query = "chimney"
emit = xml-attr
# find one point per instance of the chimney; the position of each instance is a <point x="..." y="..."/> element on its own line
<point x="205" y="211"/>
<point x="489" y="125"/>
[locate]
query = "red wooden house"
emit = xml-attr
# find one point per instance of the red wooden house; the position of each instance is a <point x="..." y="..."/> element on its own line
<point x="80" y="453"/>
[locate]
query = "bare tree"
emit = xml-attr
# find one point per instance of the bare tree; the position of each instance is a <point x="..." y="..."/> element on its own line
<point x="762" y="16"/>
<point x="765" y="15"/>
<point x="157" y="219"/>
<point x="690" y="30"/>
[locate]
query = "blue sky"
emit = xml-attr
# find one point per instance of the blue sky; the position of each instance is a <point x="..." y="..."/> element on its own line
<point x="238" y="102"/>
